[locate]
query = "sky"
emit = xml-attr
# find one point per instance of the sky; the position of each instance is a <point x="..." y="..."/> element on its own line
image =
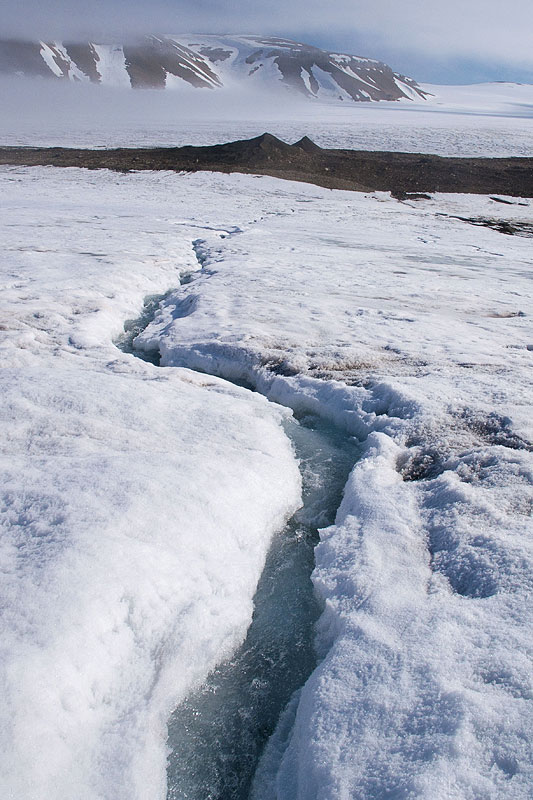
<point x="446" y="41"/>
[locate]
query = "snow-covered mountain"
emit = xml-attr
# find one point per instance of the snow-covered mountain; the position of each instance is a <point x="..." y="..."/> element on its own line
<point x="208" y="61"/>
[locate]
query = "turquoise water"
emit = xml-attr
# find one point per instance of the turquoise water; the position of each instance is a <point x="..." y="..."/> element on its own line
<point x="217" y="735"/>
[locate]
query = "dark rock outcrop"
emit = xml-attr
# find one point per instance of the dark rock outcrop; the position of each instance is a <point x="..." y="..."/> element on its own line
<point x="400" y="173"/>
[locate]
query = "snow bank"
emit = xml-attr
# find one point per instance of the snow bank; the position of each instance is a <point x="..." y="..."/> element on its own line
<point x="425" y="686"/>
<point x="136" y="526"/>
<point x="137" y="506"/>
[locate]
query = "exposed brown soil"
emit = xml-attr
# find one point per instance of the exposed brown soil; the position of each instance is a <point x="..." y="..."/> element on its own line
<point x="399" y="173"/>
<point x="524" y="229"/>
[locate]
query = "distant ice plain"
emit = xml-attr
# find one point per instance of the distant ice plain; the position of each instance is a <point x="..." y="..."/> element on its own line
<point x="480" y="120"/>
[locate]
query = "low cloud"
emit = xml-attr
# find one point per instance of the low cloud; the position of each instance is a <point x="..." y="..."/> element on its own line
<point x="477" y="29"/>
<point x="46" y="111"/>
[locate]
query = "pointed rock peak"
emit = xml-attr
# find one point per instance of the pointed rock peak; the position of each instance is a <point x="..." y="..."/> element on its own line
<point x="269" y="142"/>
<point x="256" y="150"/>
<point x="305" y="143"/>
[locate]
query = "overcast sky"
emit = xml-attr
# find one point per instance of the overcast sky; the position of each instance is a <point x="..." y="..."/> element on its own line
<point x="446" y="40"/>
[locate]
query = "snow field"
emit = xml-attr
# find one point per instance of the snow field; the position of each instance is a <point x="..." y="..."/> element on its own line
<point x="111" y="65"/>
<point x="403" y="325"/>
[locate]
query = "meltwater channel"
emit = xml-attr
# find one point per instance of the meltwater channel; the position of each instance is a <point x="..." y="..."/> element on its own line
<point x="216" y="737"/>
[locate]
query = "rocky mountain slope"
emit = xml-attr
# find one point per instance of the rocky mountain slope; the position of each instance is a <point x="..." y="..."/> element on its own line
<point x="208" y="61"/>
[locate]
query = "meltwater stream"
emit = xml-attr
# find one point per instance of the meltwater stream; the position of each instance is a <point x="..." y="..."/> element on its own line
<point x="133" y="327"/>
<point x="215" y="738"/>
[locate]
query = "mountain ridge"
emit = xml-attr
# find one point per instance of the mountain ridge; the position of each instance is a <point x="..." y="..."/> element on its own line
<point x="207" y="61"/>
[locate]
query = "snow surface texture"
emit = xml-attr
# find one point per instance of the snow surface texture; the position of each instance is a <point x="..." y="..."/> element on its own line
<point x="484" y="120"/>
<point x="402" y="324"/>
<point x="137" y="505"/>
<point x="418" y="322"/>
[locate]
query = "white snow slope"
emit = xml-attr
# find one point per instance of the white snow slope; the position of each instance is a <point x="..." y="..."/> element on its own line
<point x="139" y="501"/>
